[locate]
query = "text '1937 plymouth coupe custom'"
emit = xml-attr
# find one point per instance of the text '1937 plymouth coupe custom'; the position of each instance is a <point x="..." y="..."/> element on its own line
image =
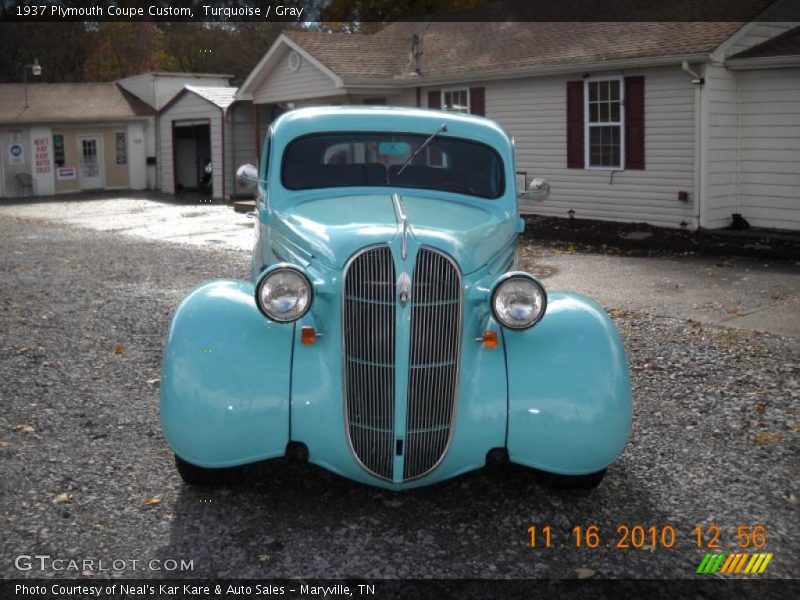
<point x="383" y="335"/>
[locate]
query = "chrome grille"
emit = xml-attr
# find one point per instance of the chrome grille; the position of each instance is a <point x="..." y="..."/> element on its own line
<point x="433" y="361"/>
<point x="369" y="348"/>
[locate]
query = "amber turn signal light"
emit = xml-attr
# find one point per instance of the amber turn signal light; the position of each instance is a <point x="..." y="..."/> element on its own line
<point x="489" y="339"/>
<point x="307" y="335"/>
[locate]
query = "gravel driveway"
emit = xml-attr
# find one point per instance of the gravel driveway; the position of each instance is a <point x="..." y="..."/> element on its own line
<point x="85" y="472"/>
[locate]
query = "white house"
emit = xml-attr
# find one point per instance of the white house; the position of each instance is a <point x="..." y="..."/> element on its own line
<point x="69" y="137"/>
<point x="201" y="125"/>
<point x="677" y="124"/>
<point x="156" y="89"/>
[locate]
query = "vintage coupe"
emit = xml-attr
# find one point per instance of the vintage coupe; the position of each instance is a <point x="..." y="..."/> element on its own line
<point x="383" y="335"/>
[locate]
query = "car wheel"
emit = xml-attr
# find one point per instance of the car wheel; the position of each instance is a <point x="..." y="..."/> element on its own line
<point x="201" y="476"/>
<point x="575" y="482"/>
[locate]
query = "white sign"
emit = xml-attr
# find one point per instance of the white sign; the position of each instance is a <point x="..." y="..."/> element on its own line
<point x="41" y="154"/>
<point x="15" y="154"/>
<point x="65" y="173"/>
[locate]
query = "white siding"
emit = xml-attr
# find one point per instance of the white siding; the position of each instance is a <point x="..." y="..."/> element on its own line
<point x="190" y="106"/>
<point x="239" y="143"/>
<point x="285" y="85"/>
<point x="769" y="180"/>
<point x="720" y="98"/>
<point x="533" y="110"/>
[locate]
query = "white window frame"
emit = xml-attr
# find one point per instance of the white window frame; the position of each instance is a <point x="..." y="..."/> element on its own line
<point x="451" y="90"/>
<point x="587" y="125"/>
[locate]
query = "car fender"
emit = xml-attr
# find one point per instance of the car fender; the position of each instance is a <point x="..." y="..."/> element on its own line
<point x="568" y="388"/>
<point x="225" y="378"/>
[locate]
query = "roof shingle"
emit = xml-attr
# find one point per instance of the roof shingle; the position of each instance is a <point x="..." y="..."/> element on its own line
<point x="49" y="102"/>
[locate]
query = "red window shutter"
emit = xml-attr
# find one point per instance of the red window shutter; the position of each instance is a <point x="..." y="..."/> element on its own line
<point x="634" y="122"/>
<point x="575" y="124"/>
<point x="477" y="101"/>
<point x="434" y="99"/>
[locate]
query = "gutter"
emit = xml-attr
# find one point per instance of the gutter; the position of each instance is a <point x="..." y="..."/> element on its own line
<point x="500" y="73"/>
<point x="763" y="62"/>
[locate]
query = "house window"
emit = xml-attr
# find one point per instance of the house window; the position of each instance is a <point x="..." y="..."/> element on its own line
<point x="605" y="148"/>
<point x="456" y="100"/>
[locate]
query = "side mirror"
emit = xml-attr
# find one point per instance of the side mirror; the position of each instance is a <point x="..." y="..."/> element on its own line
<point x="538" y="191"/>
<point x="247" y="177"/>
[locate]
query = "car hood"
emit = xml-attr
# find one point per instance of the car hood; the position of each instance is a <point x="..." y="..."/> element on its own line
<point x="331" y="229"/>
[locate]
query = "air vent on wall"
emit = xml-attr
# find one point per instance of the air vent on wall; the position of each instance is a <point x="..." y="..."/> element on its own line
<point x="294" y="61"/>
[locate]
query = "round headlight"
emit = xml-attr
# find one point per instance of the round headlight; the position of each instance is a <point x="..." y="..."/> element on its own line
<point x="519" y="301"/>
<point x="284" y="294"/>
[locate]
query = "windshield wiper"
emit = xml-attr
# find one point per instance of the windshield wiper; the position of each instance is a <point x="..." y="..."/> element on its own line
<point x="441" y="129"/>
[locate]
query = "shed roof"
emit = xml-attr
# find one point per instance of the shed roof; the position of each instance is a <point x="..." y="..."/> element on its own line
<point x="53" y="102"/>
<point x="220" y="96"/>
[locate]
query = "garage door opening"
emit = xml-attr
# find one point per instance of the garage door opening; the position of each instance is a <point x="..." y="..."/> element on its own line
<point x="192" y="147"/>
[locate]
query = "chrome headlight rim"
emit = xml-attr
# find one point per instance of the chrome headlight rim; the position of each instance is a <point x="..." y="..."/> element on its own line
<point x="272" y="271"/>
<point x="503" y="281"/>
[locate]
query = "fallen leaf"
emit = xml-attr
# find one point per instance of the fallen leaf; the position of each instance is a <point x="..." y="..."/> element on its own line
<point x="618" y="313"/>
<point x="119" y="349"/>
<point x="152" y="500"/>
<point x="583" y="573"/>
<point x="62" y="498"/>
<point x="760" y="407"/>
<point x="98" y="527"/>
<point x="768" y="438"/>
<point x="23" y="350"/>
<point x="4" y="444"/>
<point x="25" y="428"/>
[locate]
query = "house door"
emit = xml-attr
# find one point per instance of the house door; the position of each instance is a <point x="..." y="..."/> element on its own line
<point x="90" y="155"/>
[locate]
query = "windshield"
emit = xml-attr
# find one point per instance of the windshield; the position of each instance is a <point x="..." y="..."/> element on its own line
<point x="377" y="159"/>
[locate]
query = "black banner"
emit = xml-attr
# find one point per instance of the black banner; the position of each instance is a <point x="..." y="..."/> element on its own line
<point x="206" y="589"/>
<point x="384" y="11"/>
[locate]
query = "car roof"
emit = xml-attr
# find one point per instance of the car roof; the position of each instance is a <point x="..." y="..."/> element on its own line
<point x="303" y="121"/>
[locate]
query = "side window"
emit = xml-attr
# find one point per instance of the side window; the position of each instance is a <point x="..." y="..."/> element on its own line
<point x="262" y="169"/>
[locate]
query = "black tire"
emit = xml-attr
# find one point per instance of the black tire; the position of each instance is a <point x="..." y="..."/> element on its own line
<point x="201" y="476"/>
<point x="575" y="482"/>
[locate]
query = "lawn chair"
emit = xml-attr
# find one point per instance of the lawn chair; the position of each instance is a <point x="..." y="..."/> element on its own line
<point x="24" y="180"/>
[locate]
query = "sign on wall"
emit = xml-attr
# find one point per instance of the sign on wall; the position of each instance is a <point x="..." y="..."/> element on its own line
<point x="41" y="149"/>
<point x="65" y="173"/>
<point x="16" y="155"/>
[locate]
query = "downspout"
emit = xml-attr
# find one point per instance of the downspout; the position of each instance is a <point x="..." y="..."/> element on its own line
<point x="699" y="161"/>
<point x="222" y="170"/>
<point x="231" y="110"/>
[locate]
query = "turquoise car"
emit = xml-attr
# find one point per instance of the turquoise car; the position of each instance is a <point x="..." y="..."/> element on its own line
<point x="384" y="334"/>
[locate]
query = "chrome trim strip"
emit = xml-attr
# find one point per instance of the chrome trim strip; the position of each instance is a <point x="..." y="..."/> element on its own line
<point x="402" y="224"/>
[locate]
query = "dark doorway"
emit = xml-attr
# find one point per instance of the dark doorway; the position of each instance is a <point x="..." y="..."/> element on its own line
<point x="192" y="148"/>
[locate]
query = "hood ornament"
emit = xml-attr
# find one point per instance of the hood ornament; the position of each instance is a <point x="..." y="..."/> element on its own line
<point x="402" y="224"/>
<point x="403" y="288"/>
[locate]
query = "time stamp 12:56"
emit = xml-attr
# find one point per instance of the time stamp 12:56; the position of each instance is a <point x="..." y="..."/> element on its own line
<point x="635" y="536"/>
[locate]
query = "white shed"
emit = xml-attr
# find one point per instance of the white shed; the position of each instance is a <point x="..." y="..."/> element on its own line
<point x="204" y="124"/>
